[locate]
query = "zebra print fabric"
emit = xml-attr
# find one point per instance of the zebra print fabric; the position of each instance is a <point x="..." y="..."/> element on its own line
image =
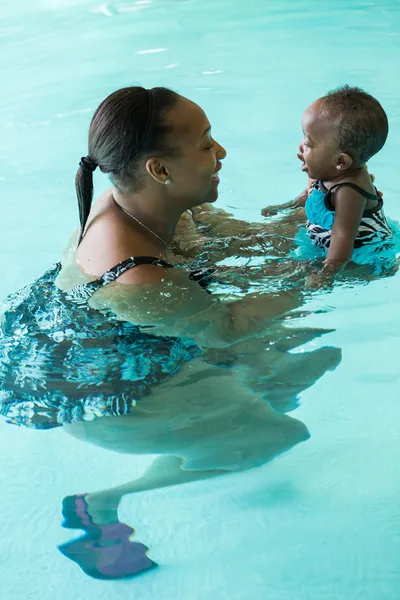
<point x="373" y="228"/>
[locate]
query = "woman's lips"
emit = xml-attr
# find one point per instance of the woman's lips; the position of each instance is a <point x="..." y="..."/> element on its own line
<point x="215" y="177"/>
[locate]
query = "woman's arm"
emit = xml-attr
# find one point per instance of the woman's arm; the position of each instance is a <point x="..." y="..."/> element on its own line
<point x="175" y="306"/>
<point x="220" y="223"/>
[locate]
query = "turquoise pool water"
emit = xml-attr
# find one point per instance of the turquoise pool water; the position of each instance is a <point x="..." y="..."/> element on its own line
<point x="320" y="522"/>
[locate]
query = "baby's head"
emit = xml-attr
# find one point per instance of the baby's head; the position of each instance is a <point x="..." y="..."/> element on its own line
<point x="342" y="130"/>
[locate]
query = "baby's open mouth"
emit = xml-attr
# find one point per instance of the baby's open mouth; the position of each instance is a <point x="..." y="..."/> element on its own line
<point x="303" y="166"/>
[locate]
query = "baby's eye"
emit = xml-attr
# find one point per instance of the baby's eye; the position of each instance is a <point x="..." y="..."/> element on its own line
<point x="210" y="145"/>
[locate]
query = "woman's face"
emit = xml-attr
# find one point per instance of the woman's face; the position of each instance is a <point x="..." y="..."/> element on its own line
<point x="194" y="172"/>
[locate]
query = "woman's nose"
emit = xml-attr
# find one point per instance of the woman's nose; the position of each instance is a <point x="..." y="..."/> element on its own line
<point x="301" y="147"/>
<point x="221" y="152"/>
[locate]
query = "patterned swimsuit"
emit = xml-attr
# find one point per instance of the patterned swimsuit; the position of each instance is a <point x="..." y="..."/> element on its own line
<point x="62" y="361"/>
<point x="320" y="213"/>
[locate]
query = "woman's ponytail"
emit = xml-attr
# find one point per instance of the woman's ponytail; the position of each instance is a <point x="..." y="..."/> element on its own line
<point x="84" y="190"/>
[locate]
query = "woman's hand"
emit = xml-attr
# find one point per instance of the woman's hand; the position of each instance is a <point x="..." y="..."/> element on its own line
<point x="380" y="194"/>
<point x="271" y="211"/>
<point x="319" y="280"/>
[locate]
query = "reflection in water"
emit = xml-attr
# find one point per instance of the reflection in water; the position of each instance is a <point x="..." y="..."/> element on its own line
<point x="206" y="411"/>
<point x="215" y="417"/>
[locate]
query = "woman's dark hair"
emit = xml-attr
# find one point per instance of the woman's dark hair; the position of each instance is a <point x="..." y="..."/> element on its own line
<point x="128" y="125"/>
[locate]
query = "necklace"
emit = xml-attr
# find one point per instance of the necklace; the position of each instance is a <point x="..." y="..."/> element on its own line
<point x="144" y="226"/>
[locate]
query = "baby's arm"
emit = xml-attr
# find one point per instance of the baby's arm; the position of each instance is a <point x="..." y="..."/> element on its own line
<point x="298" y="202"/>
<point x="349" y="209"/>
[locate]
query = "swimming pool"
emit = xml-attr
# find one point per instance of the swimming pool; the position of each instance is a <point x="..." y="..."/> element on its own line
<point x="321" y="521"/>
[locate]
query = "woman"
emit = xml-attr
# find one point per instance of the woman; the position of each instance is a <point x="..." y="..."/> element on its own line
<point x="130" y="334"/>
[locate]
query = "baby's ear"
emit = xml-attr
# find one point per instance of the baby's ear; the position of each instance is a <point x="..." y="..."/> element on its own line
<point x="344" y="161"/>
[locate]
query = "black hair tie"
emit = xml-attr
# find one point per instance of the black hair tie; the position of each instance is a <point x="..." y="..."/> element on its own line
<point x="87" y="164"/>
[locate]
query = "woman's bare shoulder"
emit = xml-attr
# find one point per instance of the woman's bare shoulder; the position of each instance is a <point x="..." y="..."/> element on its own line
<point x="109" y="240"/>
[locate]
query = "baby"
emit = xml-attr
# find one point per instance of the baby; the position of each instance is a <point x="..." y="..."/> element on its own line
<point x="345" y="217"/>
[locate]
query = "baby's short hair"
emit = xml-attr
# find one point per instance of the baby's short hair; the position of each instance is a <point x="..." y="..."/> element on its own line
<point x="362" y="123"/>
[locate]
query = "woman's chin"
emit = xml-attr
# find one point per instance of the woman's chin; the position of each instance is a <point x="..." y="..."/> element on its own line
<point x="213" y="195"/>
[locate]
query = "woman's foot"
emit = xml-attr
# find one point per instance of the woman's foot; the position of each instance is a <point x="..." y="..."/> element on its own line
<point x="105" y="551"/>
<point x="102" y="509"/>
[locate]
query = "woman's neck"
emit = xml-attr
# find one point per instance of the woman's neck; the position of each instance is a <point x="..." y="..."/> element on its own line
<point x="154" y="214"/>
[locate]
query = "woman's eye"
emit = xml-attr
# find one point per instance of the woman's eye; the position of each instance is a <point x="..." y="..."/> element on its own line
<point x="210" y="145"/>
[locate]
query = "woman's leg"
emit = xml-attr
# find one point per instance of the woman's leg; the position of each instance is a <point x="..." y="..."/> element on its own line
<point x="205" y="448"/>
<point x="165" y="471"/>
<point x="205" y="423"/>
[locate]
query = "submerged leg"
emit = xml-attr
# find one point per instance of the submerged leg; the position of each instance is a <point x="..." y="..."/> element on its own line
<point x="253" y="436"/>
<point x="165" y="471"/>
<point x="106" y="551"/>
<point x="204" y="424"/>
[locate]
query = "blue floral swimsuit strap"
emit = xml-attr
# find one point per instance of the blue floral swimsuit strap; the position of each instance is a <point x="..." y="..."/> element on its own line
<point x="82" y="293"/>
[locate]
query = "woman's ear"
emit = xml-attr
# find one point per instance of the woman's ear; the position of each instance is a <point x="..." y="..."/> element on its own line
<point x="157" y="170"/>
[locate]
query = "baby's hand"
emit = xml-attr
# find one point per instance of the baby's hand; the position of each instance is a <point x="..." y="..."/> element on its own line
<point x="299" y="202"/>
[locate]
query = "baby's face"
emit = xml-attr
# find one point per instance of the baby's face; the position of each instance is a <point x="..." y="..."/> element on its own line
<point x="319" y="150"/>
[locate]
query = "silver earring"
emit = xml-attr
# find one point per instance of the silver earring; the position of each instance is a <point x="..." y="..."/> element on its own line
<point x="338" y="167"/>
<point x="167" y="182"/>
